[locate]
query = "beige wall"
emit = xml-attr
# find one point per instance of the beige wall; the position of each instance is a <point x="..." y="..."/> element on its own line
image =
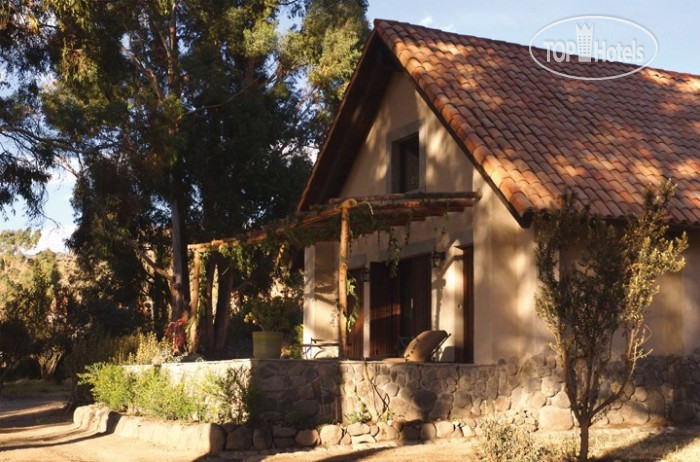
<point x="674" y="318"/>
<point x="505" y="279"/>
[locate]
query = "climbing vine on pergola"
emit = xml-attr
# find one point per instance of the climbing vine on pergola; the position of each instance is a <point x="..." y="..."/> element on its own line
<point x="341" y="219"/>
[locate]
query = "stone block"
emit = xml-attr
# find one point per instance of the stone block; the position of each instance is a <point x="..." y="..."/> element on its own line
<point x="307" y="438"/>
<point x="330" y="435"/>
<point x="555" y="418"/>
<point x="462" y="399"/>
<point x="386" y="432"/>
<point x="561" y="400"/>
<point x="634" y="413"/>
<point x="502" y="404"/>
<point x="536" y="400"/>
<point x="444" y="429"/>
<point x="239" y="439"/>
<point x="428" y="432"/>
<point x="550" y="386"/>
<point x="262" y="438"/>
<point x="358" y="429"/>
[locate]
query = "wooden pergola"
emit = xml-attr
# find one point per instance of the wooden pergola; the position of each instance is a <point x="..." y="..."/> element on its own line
<point x="390" y="209"/>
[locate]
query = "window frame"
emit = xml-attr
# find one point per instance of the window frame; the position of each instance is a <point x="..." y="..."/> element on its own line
<point x="394" y="140"/>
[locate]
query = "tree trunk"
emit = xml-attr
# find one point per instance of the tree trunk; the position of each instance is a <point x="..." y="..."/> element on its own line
<point x="180" y="284"/>
<point x="193" y="341"/>
<point x="223" y="308"/>
<point x="583" y="450"/>
<point x="208" y="325"/>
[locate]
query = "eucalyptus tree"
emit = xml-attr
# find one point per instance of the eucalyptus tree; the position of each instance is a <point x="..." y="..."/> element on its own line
<point x="190" y="119"/>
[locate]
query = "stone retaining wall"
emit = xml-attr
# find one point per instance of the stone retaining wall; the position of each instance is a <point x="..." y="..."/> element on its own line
<point x="307" y="402"/>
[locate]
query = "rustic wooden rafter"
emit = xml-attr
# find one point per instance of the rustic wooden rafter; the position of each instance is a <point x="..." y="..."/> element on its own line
<point x="394" y="209"/>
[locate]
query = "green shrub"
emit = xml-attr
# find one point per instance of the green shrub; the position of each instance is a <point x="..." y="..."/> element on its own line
<point x="111" y="385"/>
<point x="156" y="395"/>
<point x="361" y="416"/>
<point x="504" y="442"/>
<point x="149" y="350"/>
<point x="230" y="398"/>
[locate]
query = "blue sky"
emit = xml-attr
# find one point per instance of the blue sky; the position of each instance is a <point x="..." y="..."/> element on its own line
<point x="674" y="23"/>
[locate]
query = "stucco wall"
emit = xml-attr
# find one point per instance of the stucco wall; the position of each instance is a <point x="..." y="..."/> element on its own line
<point x="505" y="278"/>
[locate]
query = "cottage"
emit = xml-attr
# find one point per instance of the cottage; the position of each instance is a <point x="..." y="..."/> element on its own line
<point x="435" y="112"/>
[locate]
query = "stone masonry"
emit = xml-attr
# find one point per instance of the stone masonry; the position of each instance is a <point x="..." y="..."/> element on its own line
<point x="329" y="402"/>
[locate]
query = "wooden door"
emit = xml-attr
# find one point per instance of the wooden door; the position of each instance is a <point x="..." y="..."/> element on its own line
<point x="384" y="312"/>
<point x="415" y="280"/>
<point x="356" y="335"/>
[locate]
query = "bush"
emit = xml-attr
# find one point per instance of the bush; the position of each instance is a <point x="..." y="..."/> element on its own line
<point x="504" y="442"/>
<point x="231" y="398"/>
<point x="111" y="385"/>
<point x="156" y="395"/>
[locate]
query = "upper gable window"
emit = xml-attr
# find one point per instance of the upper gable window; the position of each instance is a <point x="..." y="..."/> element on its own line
<point x="405" y="165"/>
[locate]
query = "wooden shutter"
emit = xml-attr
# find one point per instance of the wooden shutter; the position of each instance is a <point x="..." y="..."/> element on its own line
<point x="384" y="312"/>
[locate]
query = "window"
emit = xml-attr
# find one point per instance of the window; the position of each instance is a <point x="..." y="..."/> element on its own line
<point x="405" y="165"/>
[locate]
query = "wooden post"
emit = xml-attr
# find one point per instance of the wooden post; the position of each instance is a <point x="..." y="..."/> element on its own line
<point x="345" y="207"/>
<point x="193" y="340"/>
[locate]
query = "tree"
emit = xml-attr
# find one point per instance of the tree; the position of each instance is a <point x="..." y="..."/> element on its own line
<point x="27" y="149"/>
<point x="596" y="282"/>
<point x="193" y="106"/>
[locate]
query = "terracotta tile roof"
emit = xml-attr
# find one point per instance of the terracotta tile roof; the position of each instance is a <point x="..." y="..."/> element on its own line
<point x="534" y="133"/>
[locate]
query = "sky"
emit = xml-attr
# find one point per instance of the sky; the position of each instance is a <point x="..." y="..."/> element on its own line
<point x="673" y="23"/>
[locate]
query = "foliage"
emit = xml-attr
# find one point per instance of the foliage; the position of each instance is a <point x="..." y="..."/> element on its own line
<point x="278" y="313"/>
<point x="111" y="385"/>
<point x="231" y="398"/>
<point x="362" y="416"/>
<point x="15" y="344"/>
<point x="155" y="394"/>
<point x="149" y="350"/>
<point x="95" y="346"/>
<point x="596" y="282"/>
<point x="504" y="442"/>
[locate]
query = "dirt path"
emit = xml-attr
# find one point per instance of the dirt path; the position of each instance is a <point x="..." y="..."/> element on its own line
<point x="38" y="429"/>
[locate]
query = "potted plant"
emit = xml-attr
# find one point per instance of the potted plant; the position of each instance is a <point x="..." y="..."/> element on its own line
<point x="275" y="315"/>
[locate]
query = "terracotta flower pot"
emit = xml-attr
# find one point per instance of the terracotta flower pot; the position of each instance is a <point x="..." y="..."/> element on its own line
<point x="267" y="345"/>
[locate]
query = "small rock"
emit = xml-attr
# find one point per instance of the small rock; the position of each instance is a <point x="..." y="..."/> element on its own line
<point x="444" y="429"/>
<point x="331" y="435"/>
<point x="502" y="403"/>
<point x="373" y="430"/>
<point x="307" y="438"/>
<point x="386" y="432"/>
<point x="358" y="428"/>
<point x="239" y="439"/>
<point x="537" y="400"/>
<point x="555" y="418"/>
<point x="561" y="400"/>
<point x="409" y="433"/>
<point x="262" y="438"/>
<point x="428" y="432"/>
<point x="550" y="386"/>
